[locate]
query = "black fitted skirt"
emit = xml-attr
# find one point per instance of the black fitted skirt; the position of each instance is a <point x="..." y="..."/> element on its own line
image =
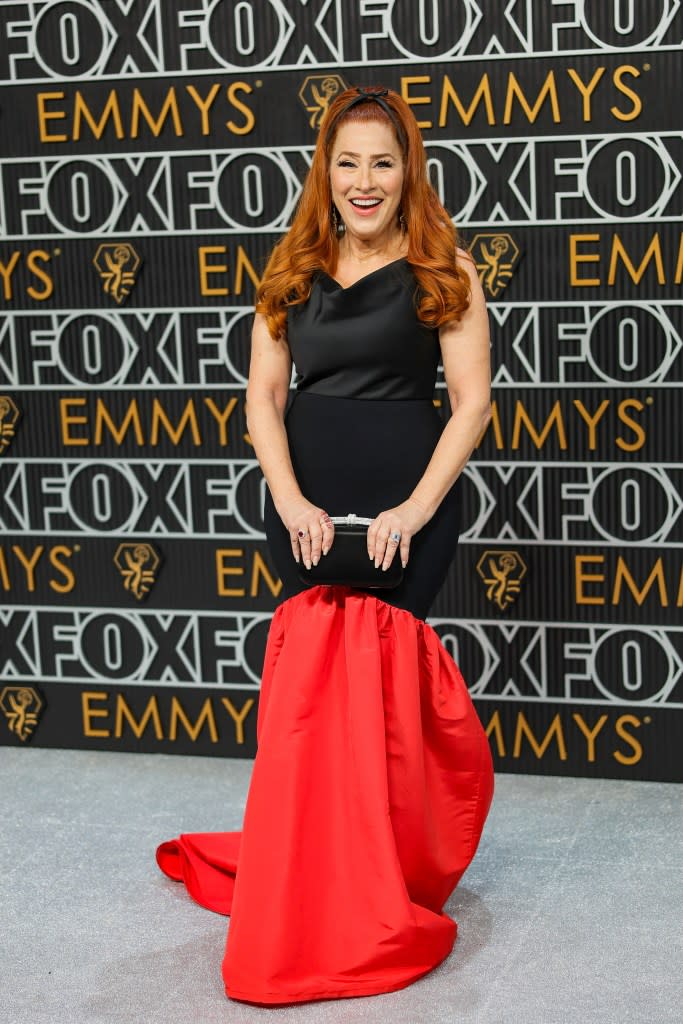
<point x="366" y="456"/>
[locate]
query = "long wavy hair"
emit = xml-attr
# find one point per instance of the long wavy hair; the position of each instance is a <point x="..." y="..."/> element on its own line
<point x="312" y="243"/>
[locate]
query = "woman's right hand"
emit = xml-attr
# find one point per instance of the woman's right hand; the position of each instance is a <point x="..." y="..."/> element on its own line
<point x="311" y="532"/>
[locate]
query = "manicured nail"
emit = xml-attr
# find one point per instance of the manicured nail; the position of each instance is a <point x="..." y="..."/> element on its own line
<point x="315" y="561"/>
<point x="404" y="564"/>
<point x="370" y="556"/>
<point x="325" y="550"/>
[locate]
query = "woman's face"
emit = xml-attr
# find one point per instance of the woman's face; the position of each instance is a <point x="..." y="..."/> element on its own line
<point x="366" y="178"/>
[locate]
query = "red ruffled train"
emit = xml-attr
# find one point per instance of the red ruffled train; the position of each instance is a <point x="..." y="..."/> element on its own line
<point x="368" y="797"/>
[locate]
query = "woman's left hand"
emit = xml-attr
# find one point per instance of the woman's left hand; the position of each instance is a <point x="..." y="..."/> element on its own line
<point x="391" y="531"/>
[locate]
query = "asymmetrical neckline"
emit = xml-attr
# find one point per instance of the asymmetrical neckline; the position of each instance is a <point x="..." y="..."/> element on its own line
<point x="372" y="273"/>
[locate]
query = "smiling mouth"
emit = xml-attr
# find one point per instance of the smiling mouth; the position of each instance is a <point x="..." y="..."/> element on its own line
<point x="365" y="204"/>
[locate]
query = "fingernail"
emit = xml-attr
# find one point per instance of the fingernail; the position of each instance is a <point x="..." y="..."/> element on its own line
<point x="370" y="556"/>
<point x="377" y="563"/>
<point x="325" y="550"/>
<point x="315" y="561"/>
<point x="404" y="564"/>
<point x="307" y="563"/>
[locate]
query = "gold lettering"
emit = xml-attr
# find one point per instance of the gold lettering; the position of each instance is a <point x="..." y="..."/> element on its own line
<point x="524" y="729"/>
<point x="494" y="424"/>
<point x="623" y="575"/>
<point x="514" y="90"/>
<point x="259" y="570"/>
<point x="205" y="716"/>
<point x="6" y="271"/>
<point x="576" y="257"/>
<point x="592" y="421"/>
<point x="29" y="564"/>
<point x="586" y="90"/>
<point x="449" y="94"/>
<point x="67" y="419"/>
<point x="89" y="712"/>
<point x="206" y="268"/>
<point x="159" y="417"/>
<point x="581" y="577"/>
<point x="627" y="69"/>
<point x="654" y="251"/>
<point x="45" y="115"/>
<point x="66" y="570"/>
<point x="249" y="119"/>
<point x="412" y="101"/>
<point x="620" y="729"/>
<point x="238" y="716"/>
<point x="151" y="712"/>
<point x="590" y="734"/>
<point x="4" y="575"/>
<point x="223" y="570"/>
<point x="244" y="263"/>
<point x="204" y="104"/>
<point x="633" y="446"/>
<point x="140" y="107"/>
<point x="221" y="417"/>
<point x="111" y="110"/>
<point x="32" y="263"/>
<point x="522" y="417"/>
<point x="132" y="416"/>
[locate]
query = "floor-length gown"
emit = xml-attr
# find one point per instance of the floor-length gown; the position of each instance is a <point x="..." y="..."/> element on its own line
<point x="373" y="776"/>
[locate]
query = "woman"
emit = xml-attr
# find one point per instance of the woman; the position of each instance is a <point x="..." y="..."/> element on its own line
<point x="373" y="775"/>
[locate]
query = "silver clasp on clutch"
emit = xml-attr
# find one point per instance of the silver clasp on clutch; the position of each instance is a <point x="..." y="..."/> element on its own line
<point x="350" y="520"/>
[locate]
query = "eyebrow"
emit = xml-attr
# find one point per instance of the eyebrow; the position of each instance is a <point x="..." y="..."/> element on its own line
<point x="374" y="156"/>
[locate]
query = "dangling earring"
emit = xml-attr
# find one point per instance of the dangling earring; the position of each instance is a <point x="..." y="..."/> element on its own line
<point x="402" y="221"/>
<point x="337" y="223"/>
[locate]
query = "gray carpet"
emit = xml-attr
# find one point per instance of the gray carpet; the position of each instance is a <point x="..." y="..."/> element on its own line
<point x="571" y="911"/>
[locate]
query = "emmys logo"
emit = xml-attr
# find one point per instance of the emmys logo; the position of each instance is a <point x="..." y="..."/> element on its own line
<point x="138" y="564"/>
<point x="117" y="264"/>
<point x="9" y="415"/>
<point x="21" y="706"/>
<point x="502" y="573"/>
<point x="317" y="93"/>
<point x="495" y="257"/>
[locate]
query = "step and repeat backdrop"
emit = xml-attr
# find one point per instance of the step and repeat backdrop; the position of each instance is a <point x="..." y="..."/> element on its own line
<point x="151" y="155"/>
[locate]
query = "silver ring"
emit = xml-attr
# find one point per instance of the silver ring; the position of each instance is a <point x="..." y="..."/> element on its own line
<point x="395" y="536"/>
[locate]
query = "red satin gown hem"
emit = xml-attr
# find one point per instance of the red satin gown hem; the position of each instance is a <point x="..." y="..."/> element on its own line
<point x="375" y="988"/>
<point x="369" y="792"/>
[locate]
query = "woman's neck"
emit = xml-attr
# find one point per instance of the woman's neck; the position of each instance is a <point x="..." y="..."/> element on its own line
<point x="356" y="250"/>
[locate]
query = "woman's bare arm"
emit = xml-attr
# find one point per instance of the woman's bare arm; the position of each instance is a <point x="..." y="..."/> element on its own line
<point x="466" y="356"/>
<point x="465" y="351"/>
<point x="270" y="372"/>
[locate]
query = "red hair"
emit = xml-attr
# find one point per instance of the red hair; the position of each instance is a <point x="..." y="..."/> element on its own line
<point x="311" y="243"/>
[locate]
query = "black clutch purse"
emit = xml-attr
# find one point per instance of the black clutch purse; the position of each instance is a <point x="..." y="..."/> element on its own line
<point x="347" y="563"/>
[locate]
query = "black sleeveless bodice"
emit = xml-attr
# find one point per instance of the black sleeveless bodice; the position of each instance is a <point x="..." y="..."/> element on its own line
<point x="364" y="341"/>
<point x="361" y="424"/>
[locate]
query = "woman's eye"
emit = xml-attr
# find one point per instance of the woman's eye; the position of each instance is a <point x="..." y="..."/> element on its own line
<point x="345" y="163"/>
<point x="384" y="163"/>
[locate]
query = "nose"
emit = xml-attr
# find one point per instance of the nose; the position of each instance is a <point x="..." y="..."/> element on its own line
<point x="365" y="179"/>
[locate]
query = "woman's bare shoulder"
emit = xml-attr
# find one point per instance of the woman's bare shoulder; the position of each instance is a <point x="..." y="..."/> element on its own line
<point x="464" y="255"/>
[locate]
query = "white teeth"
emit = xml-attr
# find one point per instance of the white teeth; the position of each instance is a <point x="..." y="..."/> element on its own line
<point x="365" y="202"/>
